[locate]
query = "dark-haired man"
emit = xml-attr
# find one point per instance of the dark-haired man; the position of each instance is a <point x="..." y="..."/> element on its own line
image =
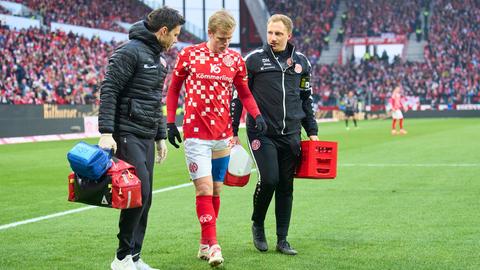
<point x="130" y="118"/>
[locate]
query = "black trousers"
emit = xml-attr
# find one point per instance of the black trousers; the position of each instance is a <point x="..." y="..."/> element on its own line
<point x="133" y="222"/>
<point x="276" y="159"/>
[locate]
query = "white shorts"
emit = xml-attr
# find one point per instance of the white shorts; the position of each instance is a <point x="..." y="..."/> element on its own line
<point x="397" y="114"/>
<point x="198" y="155"/>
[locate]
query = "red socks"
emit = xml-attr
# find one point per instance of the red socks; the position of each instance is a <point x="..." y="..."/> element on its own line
<point x="394" y="123"/>
<point x="207" y="218"/>
<point x="216" y="204"/>
<point x="401" y="123"/>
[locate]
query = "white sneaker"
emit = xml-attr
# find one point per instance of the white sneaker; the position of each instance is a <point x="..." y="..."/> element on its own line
<point x="215" y="253"/>
<point x="125" y="264"/>
<point x="141" y="265"/>
<point x="203" y="252"/>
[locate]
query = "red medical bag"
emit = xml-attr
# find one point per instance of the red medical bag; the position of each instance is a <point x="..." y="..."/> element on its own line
<point x="318" y="160"/>
<point x="118" y="188"/>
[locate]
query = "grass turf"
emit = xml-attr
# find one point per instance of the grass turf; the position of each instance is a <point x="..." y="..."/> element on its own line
<point x="398" y="202"/>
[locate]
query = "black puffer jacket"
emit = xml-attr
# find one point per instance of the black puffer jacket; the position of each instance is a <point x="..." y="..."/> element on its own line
<point x="131" y="93"/>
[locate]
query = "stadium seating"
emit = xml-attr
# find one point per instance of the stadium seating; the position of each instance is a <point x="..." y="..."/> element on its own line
<point x="90" y="13"/>
<point x="4" y="11"/>
<point x="450" y="75"/>
<point x="374" y="17"/>
<point x="39" y="66"/>
<point x="312" y="22"/>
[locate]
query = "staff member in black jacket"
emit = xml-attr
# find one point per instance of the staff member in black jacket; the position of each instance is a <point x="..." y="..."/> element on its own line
<point x="130" y="118"/>
<point x="279" y="78"/>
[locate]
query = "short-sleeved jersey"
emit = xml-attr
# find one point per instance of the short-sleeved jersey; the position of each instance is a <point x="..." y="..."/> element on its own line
<point x="208" y="81"/>
<point x="396" y="102"/>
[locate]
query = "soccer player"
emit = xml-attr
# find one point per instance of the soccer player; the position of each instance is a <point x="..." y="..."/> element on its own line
<point x="208" y="71"/>
<point x="130" y="119"/>
<point x="351" y="106"/>
<point x="279" y="78"/>
<point x="396" y="103"/>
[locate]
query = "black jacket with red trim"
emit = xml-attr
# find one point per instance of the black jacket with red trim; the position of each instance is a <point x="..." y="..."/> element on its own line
<point x="282" y="91"/>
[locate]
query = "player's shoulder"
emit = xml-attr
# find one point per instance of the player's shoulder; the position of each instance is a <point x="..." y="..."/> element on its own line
<point x="255" y="53"/>
<point x="193" y="48"/>
<point x="303" y="58"/>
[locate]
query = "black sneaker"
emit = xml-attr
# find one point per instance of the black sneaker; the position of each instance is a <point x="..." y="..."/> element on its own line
<point x="259" y="239"/>
<point x="284" y="247"/>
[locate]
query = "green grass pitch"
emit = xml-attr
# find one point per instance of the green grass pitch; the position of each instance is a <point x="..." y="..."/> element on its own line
<point x="398" y="202"/>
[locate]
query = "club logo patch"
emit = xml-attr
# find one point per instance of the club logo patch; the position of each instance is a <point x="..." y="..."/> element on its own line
<point x="256" y="144"/>
<point x="298" y="68"/>
<point x="289" y="61"/>
<point x="205" y="218"/>
<point x="193" y="167"/>
<point x="228" y="61"/>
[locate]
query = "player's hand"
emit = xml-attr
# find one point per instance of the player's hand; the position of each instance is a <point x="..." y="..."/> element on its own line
<point x="173" y="134"/>
<point x="107" y="142"/>
<point x="260" y="125"/>
<point x="161" y="151"/>
<point x="235" y="140"/>
<point x="313" y="137"/>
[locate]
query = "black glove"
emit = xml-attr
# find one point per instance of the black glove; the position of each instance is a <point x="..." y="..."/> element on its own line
<point x="260" y="125"/>
<point x="173" y="134"/>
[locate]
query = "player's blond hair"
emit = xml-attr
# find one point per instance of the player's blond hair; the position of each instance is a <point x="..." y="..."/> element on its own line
<point x="221" y="20"/>
<point x="284" y="19"/>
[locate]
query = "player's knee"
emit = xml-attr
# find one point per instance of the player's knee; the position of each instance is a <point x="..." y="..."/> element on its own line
<point x="268" y="183"/>
<point x="219" y="168"/>
<point x="217" y="189"/>
<point x="203" y="187"/>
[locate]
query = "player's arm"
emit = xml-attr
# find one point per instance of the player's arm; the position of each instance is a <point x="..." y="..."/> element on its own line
<point x="179" y="74"/>
<point x="244" y="93"/>
<point x="308" y="122"/>
<point x="178" y="77"/>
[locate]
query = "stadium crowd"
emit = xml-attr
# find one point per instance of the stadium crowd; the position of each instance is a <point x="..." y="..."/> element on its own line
<point x="39" y="66"/>
<point x="101" y="14"/>
<point x="450" y="75"/>
<point x="374" y="17"/>
<point x="312" y="22"/>
<point x="54" y="67"/>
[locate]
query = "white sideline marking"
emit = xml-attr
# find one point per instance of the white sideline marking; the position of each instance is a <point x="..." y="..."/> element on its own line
<point x="64" y="213"/>
<point x="409" y="165"/>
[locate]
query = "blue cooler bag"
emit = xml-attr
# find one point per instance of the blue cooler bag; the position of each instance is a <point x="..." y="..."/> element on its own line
<point x="89" y="161"/>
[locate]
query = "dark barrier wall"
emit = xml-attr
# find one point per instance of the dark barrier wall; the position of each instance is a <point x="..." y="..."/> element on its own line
<point x="30" y="120"/>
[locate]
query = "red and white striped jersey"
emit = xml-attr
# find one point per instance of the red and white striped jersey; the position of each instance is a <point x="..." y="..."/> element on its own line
<point x="208" y="79"/>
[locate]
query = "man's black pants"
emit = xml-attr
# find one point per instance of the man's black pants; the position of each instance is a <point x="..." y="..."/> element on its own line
<point x="276" y="159"/>
<point x="133" y="222"/>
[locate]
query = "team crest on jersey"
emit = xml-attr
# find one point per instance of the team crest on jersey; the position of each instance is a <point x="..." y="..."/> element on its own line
<point x="193" y="167"/>
<point x="228" y="61"/>
<point x="298" y="68"/>
<point x="289" y="61"/>
<point x="256" y="144"/>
